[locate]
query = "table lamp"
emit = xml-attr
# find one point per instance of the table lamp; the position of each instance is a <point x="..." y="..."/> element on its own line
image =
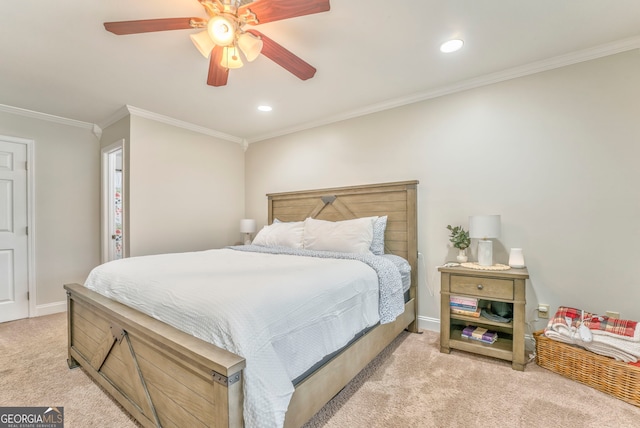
<point x="247" y="226"/>
<point x="484" y="227"/>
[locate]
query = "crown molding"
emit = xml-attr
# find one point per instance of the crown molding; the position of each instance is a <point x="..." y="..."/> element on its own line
<point x="95" y="129"/>
<point x="135" y="111"/>
<point x="121" y="113"/>
<point x="488" y="79"/>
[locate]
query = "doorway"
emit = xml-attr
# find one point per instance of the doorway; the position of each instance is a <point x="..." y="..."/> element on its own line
<point x="113" y="239"/>
<point x="16" y="183"/>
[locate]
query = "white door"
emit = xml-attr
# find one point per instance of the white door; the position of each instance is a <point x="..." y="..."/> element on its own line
<point x="14" y="265"/>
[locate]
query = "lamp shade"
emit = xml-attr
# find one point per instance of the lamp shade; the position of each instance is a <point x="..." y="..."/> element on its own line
<point x="203" y="42"/>
<point x="484" y="226"/>
<point x="247" y="225"/>
<point x="231" y="57"/>
<point x="250" y="45"/>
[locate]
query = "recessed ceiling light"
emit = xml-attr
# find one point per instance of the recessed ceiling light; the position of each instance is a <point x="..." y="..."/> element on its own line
<point x="265" y="108"/>
<point x="451" y="46"/>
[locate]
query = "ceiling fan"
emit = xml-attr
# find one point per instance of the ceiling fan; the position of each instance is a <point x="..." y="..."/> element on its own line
<point x="224" y="36"/>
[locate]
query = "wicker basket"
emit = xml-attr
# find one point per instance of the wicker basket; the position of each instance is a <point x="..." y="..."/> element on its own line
<point x="605" y="374"/>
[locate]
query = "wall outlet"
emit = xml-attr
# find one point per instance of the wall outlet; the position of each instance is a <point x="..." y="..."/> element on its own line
<point x="612" y="314"/>
<point x="543" y="310"/>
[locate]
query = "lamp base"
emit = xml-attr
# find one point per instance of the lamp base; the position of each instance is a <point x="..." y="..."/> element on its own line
<point x="485" y="253"/>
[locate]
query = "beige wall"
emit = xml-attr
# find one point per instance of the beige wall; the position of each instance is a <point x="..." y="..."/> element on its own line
<point x="119" y="130"/>
<point x="186" y="190"/>
<point x="556" y="154"/>
<point x="67" y="218"/>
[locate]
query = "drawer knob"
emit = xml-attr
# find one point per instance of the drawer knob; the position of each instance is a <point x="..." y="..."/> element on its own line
<point x="480" y="287"/>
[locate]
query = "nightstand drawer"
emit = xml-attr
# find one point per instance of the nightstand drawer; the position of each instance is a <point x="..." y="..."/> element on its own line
<point x="482" y="287"/>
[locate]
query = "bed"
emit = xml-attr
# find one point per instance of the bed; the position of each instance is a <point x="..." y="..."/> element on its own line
<point x="166" y="377"/>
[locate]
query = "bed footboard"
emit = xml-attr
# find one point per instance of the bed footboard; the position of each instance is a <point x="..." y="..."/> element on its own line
<point x="160" y="375"/>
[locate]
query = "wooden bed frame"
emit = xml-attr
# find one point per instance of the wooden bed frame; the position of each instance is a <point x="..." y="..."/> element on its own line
<point x="164" y="377"/>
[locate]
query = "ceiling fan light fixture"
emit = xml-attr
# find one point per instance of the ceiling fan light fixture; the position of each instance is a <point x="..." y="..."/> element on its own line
<point x="231" y="57"/>
<point x="203" y="43"/>
<point x="225" y="24"/>
<point x="250" y="45"/>
<point x="451" y="46"/>
<point x="222" y="30"/>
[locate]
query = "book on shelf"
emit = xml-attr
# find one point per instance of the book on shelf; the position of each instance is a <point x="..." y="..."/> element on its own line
<point x="465" y="307"/>
<point x="468" y="330"/>
<point x="480" y="334"/>
<point x="465" y="301"/>
<point x="488" y="340"/>
<point x="470" y="313"/>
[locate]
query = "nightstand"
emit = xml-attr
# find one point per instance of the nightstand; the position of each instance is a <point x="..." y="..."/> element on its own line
<point x="500" y="286"/>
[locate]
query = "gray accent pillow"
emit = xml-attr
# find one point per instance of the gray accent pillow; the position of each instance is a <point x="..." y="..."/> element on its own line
<point x="377" y="244"/>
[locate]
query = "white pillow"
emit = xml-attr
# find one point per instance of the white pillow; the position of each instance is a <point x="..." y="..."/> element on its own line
<point x="347" y="236"/>
<point x="281" y="234"/>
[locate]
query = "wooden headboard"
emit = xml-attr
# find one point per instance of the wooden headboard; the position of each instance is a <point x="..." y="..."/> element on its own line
<point x="396" y="200"/>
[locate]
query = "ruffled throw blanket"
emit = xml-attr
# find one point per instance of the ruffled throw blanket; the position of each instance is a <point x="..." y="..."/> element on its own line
<point x="611" y="337"/>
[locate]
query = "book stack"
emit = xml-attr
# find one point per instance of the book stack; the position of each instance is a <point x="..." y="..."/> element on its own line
<point x="464" y="306"/>
<point x="480" y="334"/>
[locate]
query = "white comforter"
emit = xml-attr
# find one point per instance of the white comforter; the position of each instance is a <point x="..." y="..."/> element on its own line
<point x="282" y="313"/>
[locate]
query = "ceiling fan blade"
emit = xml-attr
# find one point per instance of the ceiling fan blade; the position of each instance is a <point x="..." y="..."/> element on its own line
<point x="218" y="75"/>
<point x="284" y="58"/>
<point x="276" y="10"/>
<point x="150" y="25"/>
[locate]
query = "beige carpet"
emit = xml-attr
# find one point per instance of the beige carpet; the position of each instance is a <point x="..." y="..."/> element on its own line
<point x="411" y="384"/>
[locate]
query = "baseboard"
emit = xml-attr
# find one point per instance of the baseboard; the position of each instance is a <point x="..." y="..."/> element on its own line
<point x="50" y="308"/>
<point x="428" y="323"/>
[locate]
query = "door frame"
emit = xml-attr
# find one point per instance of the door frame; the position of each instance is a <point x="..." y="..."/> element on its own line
<point x="105" y="216"/>
<point x="31" y="203"/>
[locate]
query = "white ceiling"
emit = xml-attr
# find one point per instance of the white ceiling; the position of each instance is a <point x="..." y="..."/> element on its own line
<point x="56" y="57"/>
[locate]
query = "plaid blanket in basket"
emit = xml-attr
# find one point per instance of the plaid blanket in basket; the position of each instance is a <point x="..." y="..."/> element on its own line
<point x="626" y="329"/>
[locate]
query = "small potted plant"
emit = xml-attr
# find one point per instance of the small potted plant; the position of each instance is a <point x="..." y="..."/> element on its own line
<point x="460" y="240"/>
